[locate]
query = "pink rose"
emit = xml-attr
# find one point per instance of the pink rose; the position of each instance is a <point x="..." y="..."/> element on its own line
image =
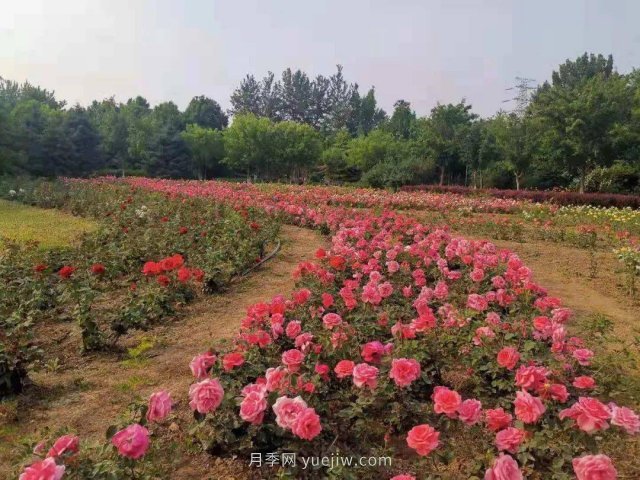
<point x="477" y="274"/>
<point x="508" y="358"/>
<point x="589" y="414"/>
<point x="253" y="406"/>
<point x="509" y="439"/>
<point x="274" y="377"/>
<point x="287" y="411"/>
<point x="470" y="411"/>
<point x="201" y="364"/>
<point x="555" y="391"/>
<point x="257" y="387"/>
<point x="331" y="320"/>
<point x="159" y="406"/>
<point x="64" y="444"/>
<point x="404" y="371"/>
<point x="232" y="360"/>
<point x="504" y="468"/>
<point x="584" y="383"/>
<point x="365" y="375"/>
<point x="293" y="329"/>
<point x="583" y="356"/>
<point x="477" y="302"/>
<point x="446" y="401"/>
<point x="393" y="266"/>
<point x="372" y="352"/>
<point x="206" y="396"/>
<point x="344" y="368"/>
<point x="132" y="441"/>
<point x="293" y="359"/>
<point x="303" y="341"/>
<point x="594" y="467"/>
<point x="323" y="370"/>
<point x="423" y="439"/>
<point x="626" y="418"/>
<point x="497" y="419"/>
<point x="530" y="377"/>
<point x="403" y="476"/>
<point x="307" y="425"/>
<point x="528" y="408"/>
<point x="43" y="470"/>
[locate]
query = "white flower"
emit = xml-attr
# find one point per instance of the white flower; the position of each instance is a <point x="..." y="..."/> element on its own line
<point x="12" y="193"/>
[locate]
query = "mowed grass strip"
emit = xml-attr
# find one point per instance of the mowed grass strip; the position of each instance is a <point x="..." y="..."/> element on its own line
<point x="51" y="228"/>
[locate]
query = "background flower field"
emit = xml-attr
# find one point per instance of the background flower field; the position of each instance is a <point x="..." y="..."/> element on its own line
<point x="399" y="335"/>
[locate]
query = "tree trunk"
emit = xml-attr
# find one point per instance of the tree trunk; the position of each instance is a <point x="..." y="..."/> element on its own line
<point x="583" y="175"/>
<point x="517" y="175"/>
<point x="441" y="176"/>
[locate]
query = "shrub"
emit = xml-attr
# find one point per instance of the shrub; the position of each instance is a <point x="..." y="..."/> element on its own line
<point x="560" y="198"/>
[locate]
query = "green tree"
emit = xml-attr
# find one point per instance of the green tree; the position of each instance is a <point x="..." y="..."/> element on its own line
<point x="363" y="153"/>
<point x="296" y="149"/>
<point x="205" y="112"/>
<point x="443" y="134"/>
<point x="248" y="145"/>
<point x="207" y="148"/>
<point x="580" y="122"/>
<point x="402" y="120"/>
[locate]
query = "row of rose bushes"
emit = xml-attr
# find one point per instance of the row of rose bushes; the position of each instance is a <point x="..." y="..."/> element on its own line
<point x="149" y="254"/>
<point x="538" y="196"/>
<point x="401" y="340"/>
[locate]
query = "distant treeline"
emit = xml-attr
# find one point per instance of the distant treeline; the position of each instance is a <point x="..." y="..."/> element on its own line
<point x="580" y="131"/>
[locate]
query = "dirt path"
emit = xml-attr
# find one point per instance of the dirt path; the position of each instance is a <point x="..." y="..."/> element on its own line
<point x="565" y="273"/>
<point x="91" y="394"/>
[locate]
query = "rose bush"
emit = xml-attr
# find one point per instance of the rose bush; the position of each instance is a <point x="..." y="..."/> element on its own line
<point x="150" y="254"/>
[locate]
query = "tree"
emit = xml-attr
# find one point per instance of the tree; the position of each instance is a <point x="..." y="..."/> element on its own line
<point x="444" y="132"/>
<point x="363" y="153"/>
<point x="296" y="148"/>
<point x="370" y="115"/>
<point x="169" y="157"/>
<point x="30" y="119"/>
<point x="580" y="120"/>
<point x="402" y="120"/>
<point x="247" y="98"/>
<point x="295" y="96"/>
<point x="110" y="122"/>
<point x="573" y="73"/>
<point x="248" y="145"/>
<point x="85" y="155"/>
<point x="205" y="112"/>
<point x="335" y="165"/>
<point x="516" y="136"/>
<point x="206" y="146"/>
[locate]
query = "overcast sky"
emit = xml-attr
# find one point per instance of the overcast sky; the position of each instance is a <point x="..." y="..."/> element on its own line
<point x="423" y="51"/>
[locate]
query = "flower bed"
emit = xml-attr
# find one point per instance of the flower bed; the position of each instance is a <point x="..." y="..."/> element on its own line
<point x="149" y="255"/>
<point x="560" y="198"/>
<point x="400" y="340"/>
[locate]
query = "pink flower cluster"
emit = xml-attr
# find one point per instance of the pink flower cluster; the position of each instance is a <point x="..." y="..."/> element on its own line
<point x="386" y="313"/>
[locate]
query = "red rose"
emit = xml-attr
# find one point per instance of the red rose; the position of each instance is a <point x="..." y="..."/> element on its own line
<point x="66" y="271"/>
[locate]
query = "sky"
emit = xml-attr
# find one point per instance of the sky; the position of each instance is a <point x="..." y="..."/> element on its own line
<point x="422" y="51"/>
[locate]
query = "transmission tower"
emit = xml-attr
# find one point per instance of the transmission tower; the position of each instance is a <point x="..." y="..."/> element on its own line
<point x="522" y="89"/>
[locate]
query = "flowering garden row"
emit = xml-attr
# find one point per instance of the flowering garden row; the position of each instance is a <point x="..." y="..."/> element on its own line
<point x="400" y="340"/>
<point x="148" y="255"/>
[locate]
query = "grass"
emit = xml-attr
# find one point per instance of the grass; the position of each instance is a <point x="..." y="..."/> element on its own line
<point x="51" y="228"/>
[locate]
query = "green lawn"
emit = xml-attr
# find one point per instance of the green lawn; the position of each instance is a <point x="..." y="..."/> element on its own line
<point x="52" y="228"/>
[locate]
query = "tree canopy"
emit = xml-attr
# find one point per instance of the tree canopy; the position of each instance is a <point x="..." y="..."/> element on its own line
<point x="580" y="129"/>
